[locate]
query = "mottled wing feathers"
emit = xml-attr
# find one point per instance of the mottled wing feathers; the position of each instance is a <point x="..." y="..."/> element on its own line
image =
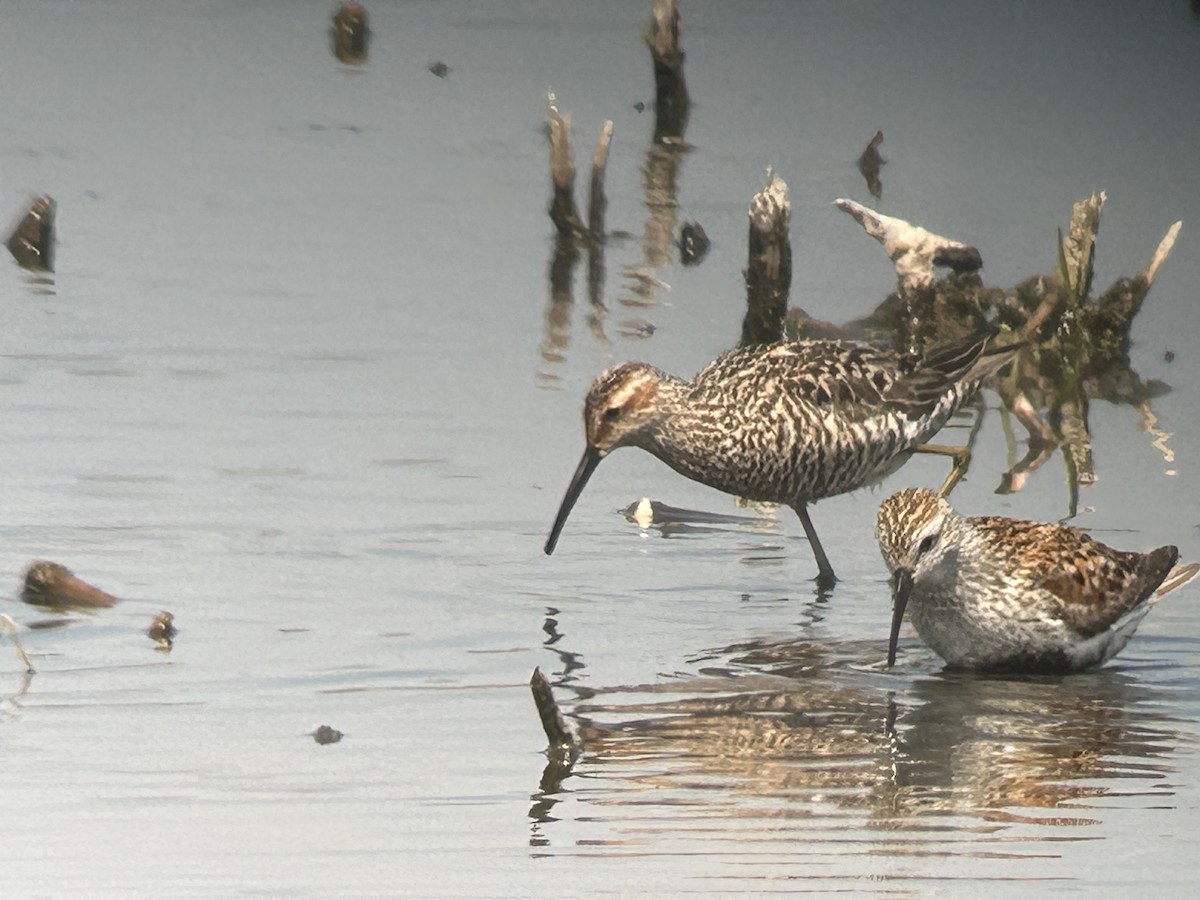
<point x="1095" y="584"/>
<point x="851" y="378"/>
<point x="917" y="393"/>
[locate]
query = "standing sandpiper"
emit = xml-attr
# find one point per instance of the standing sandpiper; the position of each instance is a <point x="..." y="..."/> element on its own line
<point x="995" y="593"/>
<point x="790" y="423"/>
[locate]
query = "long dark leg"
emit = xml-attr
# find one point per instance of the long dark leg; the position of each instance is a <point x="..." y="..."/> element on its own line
<point x="825" y="576"/>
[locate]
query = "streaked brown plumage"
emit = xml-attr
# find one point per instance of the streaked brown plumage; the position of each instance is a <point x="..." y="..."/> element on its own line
<point x="995" y="593"/>
<point x="791" y="423"/>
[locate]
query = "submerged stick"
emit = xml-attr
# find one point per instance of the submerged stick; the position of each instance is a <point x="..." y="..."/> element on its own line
<point x="10" y="629"/>
<point x="768" y="272"/>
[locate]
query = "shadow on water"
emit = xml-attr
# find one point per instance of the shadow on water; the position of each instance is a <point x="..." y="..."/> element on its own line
<point x="787" y="741"/>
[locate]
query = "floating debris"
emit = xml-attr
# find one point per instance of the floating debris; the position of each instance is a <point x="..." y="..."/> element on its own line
<point x="693" y="243"/>
<point x="162" y="630"/>
<point x="647" y="512"/>
<point x="54" y="586"/>
<point x="327" y="735"/>
<point x="32" y="242"/>
<point x="636" y="328"/>
<point x="350" y="33"/>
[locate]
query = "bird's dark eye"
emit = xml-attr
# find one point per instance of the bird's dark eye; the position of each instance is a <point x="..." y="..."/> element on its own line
<point x="926" y="544"/>
<point x="612" y="412"/>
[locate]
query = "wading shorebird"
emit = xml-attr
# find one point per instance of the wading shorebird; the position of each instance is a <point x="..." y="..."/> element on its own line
<point x="1005" y="594"/>
<point x="788" y="423"/>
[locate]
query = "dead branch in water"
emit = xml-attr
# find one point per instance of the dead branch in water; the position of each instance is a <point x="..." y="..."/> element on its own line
<point x="562" y="743"/>
<point x="1078" y="343"/>
<point x="563" y="211"/>
<point x="768" y="272"/>
<point x="672" y="104"/>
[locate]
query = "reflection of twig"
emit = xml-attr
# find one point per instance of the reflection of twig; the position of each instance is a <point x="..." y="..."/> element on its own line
<point x="1149" y="422"/>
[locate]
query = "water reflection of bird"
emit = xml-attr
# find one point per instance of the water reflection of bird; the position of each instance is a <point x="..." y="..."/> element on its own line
<point x="991" y="592"/>
<point x="791" y="422"/>
<point x="1007" y="745"/>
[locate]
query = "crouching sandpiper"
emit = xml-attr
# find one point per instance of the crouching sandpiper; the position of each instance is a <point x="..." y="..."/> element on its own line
<point x="993" y="593"/>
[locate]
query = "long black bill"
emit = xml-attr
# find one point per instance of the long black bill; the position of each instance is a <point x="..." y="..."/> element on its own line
<point x="587" y="465"/>
<point x="901" y="588"/>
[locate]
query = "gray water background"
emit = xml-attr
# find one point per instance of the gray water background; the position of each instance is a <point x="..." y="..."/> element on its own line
<point x="295" y="380"/>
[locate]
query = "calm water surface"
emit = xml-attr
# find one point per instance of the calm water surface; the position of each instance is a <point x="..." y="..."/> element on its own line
<point x="300" y="379"/>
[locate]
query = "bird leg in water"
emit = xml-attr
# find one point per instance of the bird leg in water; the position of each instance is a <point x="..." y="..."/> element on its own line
<point x="825" y="576"/>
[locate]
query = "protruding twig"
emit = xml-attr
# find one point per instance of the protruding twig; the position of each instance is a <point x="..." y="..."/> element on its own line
<point x="1079" y="246"/>
<point x="597" y="202"/>
<point x="31" y="242"/>
<point x="913" y="251"/>
<point x="562" y="743"/>
<point x="672" y="104"/>
<point x="769" y="269"/>
<point x="1161" y="253"/>
<point x="562" y="174"/>
<point x="10" y="629"/>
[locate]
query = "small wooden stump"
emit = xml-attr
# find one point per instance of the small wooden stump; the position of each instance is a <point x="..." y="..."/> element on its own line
<point x="768" y="273"/>
<point x="32" y="242"/>
<point x="693" y="243"/>
<point x="350" y="33"/>
<point x="672" y="104"/>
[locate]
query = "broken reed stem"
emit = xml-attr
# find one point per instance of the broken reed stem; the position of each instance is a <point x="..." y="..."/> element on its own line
<point x="769" y="268"/>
